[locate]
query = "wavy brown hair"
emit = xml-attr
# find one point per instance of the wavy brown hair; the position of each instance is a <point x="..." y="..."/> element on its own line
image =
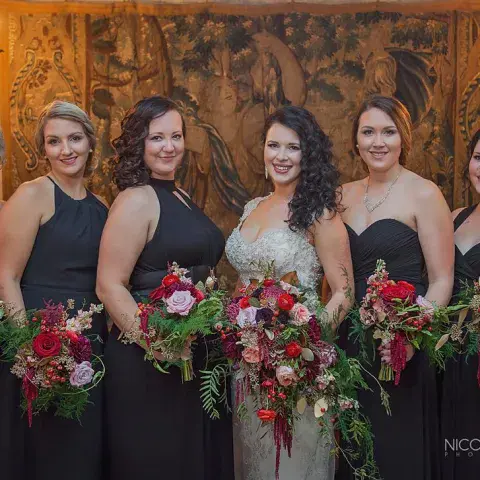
<point x="66" y="111"/>
<point x="130" y="168"/>
<point x="397" y="111"/>
<point x="318" y="185"/>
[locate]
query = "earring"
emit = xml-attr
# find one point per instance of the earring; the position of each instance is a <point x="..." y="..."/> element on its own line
<point x="266" y="173"/>
<point x="91" y="150"/>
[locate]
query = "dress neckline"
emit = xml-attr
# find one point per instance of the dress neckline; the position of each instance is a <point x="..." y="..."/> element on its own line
<point x="168" y="185"/>
<point x="87" y="192"/>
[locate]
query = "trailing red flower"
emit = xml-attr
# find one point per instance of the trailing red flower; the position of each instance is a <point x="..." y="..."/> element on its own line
<point x="286" y="302"/>
<point x="398" y="353"/>
<point x="293" y="350"/>
<point x="47" y="345"/>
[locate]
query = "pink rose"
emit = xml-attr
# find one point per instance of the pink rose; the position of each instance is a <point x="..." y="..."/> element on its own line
<point x="425" y="306"/>
<point x="300" y="314"/>
<point x="82" y="374"/>
<point x="251" y="354"/>
<point x="180" y="302"/>
<point x="247" y="317"/>
<point x="286" y="375"/>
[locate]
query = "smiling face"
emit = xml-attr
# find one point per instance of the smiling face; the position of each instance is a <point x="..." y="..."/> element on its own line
<point x="282" y="154"/>
<point x="67" y="147"/>
<point x="379" y="141"/>
<point x="164" y="145"/>
<point x="474" y="168"/>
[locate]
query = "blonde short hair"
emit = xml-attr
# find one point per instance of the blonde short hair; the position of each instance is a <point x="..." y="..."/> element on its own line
<point x="67" y="111"/>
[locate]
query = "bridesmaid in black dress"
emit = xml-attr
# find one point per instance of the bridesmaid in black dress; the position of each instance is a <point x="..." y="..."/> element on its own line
<point x="50" y="232"/>
<point x="402" y="218"/>
<point x="461" y="392"/>
<point x="156" y="427"/>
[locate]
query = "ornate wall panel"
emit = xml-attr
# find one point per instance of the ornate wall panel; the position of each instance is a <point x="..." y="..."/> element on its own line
<point x="228" y="72"/>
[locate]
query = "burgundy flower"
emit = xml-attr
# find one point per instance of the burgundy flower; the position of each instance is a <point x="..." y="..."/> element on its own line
<point x="52" y="314"/>
<point x="81" y="349"/>
<point x="264" y="315"/>
<point x="328" y="354"/>
<point x="230" y="347"/>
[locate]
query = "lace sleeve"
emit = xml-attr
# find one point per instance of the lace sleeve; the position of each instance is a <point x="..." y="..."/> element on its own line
<point x="249" y="208"/>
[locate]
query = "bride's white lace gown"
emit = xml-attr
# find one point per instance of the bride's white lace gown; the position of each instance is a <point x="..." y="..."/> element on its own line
<point x="254" y="447"/>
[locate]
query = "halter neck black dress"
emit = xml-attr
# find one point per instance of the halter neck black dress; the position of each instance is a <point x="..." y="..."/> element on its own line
<point x="460" y="403"/>
<point x="62" y="266"/>
<point x="407" y="443"/>
<point x="156" y="425"/>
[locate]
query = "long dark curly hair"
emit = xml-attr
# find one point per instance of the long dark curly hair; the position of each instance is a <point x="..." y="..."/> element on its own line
<point x="318" y="185"/>
<point x="130" y="169"/>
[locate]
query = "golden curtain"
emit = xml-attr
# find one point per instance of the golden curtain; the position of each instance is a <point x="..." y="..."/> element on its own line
<point x="229" y="66"/>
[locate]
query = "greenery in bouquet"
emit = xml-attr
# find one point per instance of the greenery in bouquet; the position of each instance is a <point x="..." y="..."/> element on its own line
<point x="172" y="317"/>
<point x="397" y="316"/>
<point x="284" y="357"/>
<point x="51" y="354"/>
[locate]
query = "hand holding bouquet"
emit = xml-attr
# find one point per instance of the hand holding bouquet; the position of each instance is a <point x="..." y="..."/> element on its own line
<point x="278" y="355"/>
<point x="53" y="357"/>
<point x="171" y="319"/>
<point x="398" y="317"/>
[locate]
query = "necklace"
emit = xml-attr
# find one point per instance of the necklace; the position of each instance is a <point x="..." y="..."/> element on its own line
<point x="372" y="206"/>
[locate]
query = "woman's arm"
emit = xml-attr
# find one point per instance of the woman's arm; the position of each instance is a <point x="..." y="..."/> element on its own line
<point x="20" y="219"/>
<point x="123" y="239"/>
<point x="435" y="231"/>
<point x="333" y="250"/>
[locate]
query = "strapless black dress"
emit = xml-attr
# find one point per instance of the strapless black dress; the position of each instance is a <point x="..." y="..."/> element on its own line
<point x="407" y="443"/>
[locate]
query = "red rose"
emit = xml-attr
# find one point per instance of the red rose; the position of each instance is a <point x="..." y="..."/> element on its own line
<point x="169" y="280"/>
<point x="244" y="302"/>
<point x="199" y="296"/>
<point x="293" y="350"/>
<point x="157" y="294"/>
<point x="286" y="301"/>
<point x="268" y="282"/>
<point x="46" y="345"/>
<point x="266" y="415"/>
<point x="401" y="291"/>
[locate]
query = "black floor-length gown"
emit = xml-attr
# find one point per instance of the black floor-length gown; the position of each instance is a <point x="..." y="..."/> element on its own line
<point x="407" y="443"/>
<point x="460" y="401"/>
<point x="62" y="266"/>
<point x="156" y="425"/>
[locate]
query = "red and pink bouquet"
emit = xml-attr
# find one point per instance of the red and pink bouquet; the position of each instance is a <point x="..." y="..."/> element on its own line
<point x="398" y="317"/>
<point x="172" y="317"/>
<point x="52" y="356"/>
<point x="275" y="346"/>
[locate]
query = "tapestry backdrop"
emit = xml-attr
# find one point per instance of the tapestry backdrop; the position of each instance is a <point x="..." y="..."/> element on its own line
<point x="228" y="72"/>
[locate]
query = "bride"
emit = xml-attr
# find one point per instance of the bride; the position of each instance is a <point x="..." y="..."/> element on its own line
<point x="297" y="227"/>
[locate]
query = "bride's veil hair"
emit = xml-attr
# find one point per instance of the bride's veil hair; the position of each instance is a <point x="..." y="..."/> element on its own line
<point x="318" y="188"/>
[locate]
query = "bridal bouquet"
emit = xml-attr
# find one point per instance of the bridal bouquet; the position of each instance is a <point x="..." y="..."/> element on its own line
<point x="52" y="356"/>
<point x="398" y="316"/>
<point x="278" y="354"/>
<point x="172" y="317"/>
